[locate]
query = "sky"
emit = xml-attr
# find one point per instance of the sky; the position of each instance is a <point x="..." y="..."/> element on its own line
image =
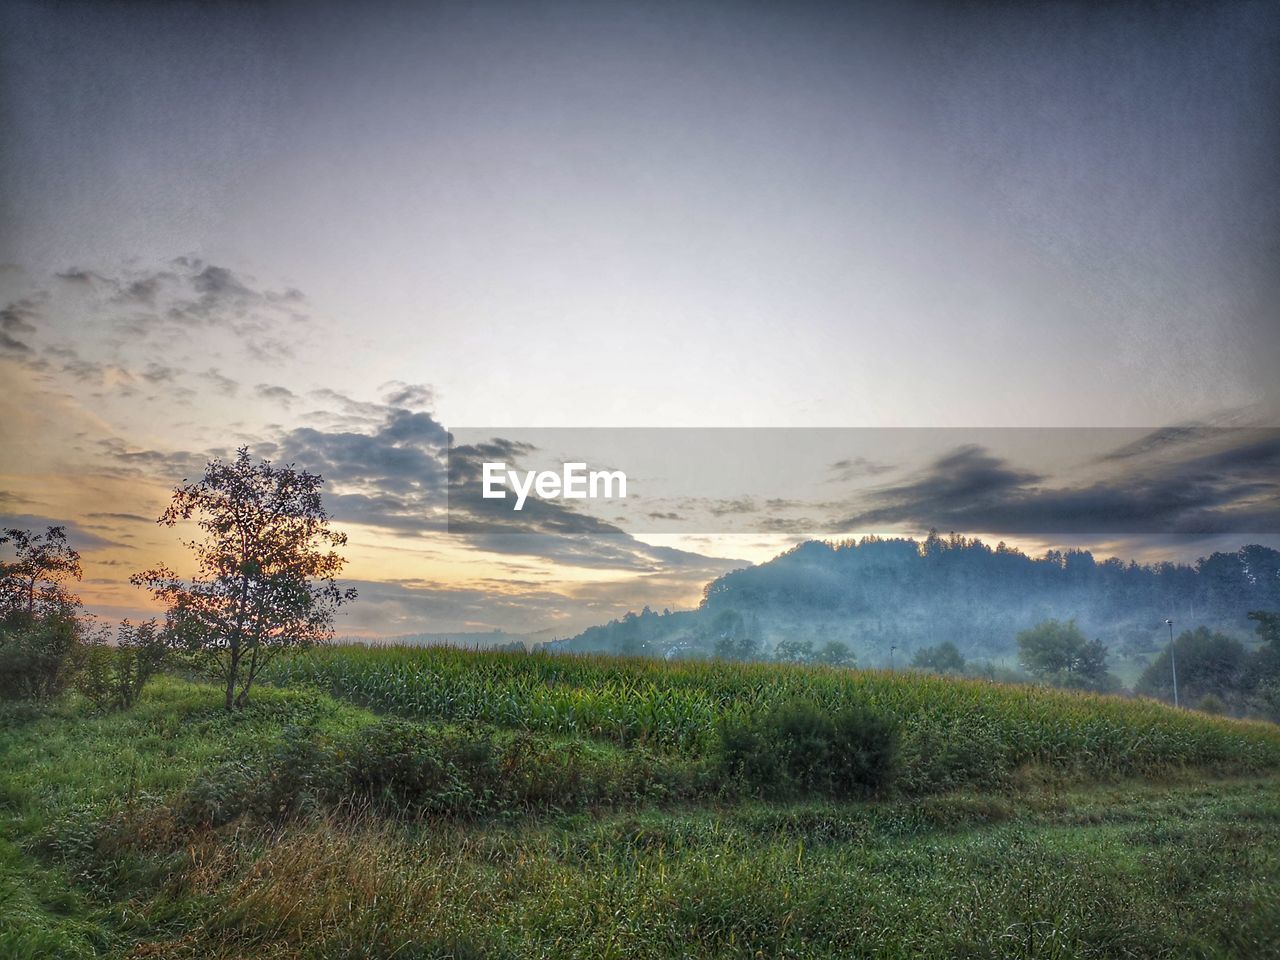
<point x="335" y="232"/>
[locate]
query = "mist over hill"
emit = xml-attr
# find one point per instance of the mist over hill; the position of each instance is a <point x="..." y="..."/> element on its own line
<point x="888" y="597"/>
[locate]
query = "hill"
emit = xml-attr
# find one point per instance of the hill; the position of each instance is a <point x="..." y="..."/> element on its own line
<point x="880" y="594"/>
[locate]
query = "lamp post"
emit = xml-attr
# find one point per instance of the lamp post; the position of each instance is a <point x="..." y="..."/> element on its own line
<point x="892" y="647"/>
<point x="1173" y="662"/>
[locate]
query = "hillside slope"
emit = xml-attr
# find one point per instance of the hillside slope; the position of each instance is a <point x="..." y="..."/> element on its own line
<point x="878" y="594"/>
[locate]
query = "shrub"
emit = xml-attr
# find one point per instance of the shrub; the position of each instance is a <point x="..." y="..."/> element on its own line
<point x="113" y="677"/>
<point x="39" y="655"/>
<point x="797" y="745"/>
<point x="407" y="766"/>
<point x="300" y="774"/>
<point x="1211" y="703"/>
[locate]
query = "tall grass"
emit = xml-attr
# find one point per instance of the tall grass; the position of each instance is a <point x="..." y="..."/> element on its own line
<point x="953" y="731"/>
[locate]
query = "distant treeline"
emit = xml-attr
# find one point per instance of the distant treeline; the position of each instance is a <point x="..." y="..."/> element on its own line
<point x="887" y="598"/>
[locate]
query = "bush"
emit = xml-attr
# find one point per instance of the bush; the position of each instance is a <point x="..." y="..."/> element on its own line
<point x="113" y="677"/>
<point x="1211" y="703"/>
<point x="797" y="745"/>
<point x="39" y="655"/>
<point x="403" y="765"/>
<point x="402" y="768"/>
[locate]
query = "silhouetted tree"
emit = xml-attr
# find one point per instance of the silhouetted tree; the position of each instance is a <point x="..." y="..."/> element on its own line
<point x="266" y="568"/>
<point x="40" y="626"/>
<point x="33" y="582"/>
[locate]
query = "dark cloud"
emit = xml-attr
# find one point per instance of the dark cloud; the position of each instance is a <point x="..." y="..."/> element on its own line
<point x="854" y="467"/>
<point x="84" y="371"/>
<point x="732" y="508"/>
<point x="130" y="517"/>
<point x="117" y="458"/>
<point x="83" y="277"/>
<point x="279" y="394"/>
<point x="142" y="291"/>
<point x="154" y="306"/>
<point x="396" y="393"/>
<point x="19" y="318"/>
<point x="549" y="529"/>
<point x="219" y="283"/>
<point x="192" y="293"/>
<point x="1232" y="490"/>
<point x="1160" y="440"/>
<point x="385" y="461"/>
<point x="78" y="536"/>
<point x="159" y="373"/>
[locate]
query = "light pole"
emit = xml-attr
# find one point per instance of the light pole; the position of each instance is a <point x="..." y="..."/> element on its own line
<point x="892" y="647"/>
<point x="1173" y="662"/>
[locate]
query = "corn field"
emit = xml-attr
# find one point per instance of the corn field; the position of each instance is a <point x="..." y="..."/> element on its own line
<point x="953" y="731"/>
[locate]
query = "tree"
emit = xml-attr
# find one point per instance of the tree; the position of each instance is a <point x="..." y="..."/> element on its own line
<point x="40" y="627"/>
<point x="39" y="656"/>
<point x="1208" y="663"/>
<point x="266" y="569"/>
<point x="794" y="651"/>
<point x="734" y="639"/>
<point x="836" y="653"/>
<point x="1058" y="653"/>
<point x="1268" y="627"/>
<point x="32" y="583"/>
<point x="1050" y="648"/>
<point x="944" y="658"/>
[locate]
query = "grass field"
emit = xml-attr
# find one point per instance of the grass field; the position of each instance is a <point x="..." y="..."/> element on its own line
<point x="437" y="803"/>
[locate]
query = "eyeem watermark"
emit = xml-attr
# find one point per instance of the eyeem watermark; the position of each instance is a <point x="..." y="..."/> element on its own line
<point x="573" y="482"/>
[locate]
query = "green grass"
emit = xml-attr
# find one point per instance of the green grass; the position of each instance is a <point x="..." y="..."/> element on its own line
<point x="955" y="732"/>
<point x="1110" y="829"/>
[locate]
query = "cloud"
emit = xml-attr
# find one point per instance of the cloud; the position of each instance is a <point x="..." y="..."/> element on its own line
<point x="405" y="455"/>
<point x="77" y="536"/>
<point x="142" y="291"/>
<point x="1232" y="490"/>
<point x="19" y="318"/>
<point x="82" y="277"/>
<point x="549" y="529"/>
<point x="159" y="373"/>
<point x="224" y="385"/>
<point x="397" y="393"/>
<point x="129" y="517"/>
<point x="854" y="467"/>
<point x="279" y="394"/>
<point x="1159" y="440"/>
<point x="120" y="459"/>
<point x="190" y="293"/>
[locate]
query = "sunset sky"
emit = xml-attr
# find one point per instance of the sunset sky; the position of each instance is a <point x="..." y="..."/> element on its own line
<point x="334" y="233"/>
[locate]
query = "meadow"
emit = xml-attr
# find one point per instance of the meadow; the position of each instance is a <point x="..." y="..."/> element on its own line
<point x="438" y="803"/>
<point x="955" y="732"/>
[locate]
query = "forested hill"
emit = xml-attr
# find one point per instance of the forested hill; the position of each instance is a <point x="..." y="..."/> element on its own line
<point x="877" y="593"/>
